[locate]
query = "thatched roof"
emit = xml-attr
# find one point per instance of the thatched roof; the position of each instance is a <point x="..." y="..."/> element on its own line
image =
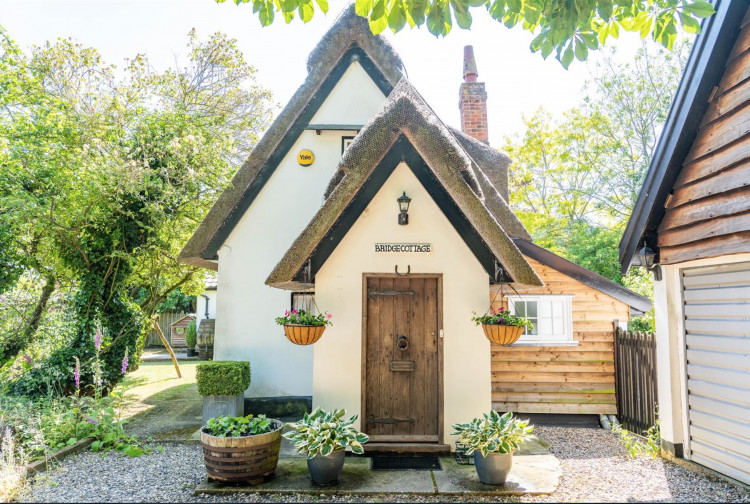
<point x="349" y="37"/>
<point x="405" y="114"/>
<point x="492" y="173"/>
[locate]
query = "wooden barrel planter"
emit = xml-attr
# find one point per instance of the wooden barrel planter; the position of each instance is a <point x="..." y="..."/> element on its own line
<point x="502" y="334"/>
<point x="246" y="459"/>
<point x="303" y="334"/>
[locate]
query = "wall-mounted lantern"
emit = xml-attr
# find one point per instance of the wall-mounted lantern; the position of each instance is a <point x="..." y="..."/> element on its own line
<point x="403" y="206"/>
<point x="646" y="258"/>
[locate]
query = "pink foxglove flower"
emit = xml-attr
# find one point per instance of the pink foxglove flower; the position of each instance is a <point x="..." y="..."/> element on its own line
<point x="286" y="313"/>
<point x="77" y="374"/>
<point x="124" y="368"/>
<point x="98" y="340"/>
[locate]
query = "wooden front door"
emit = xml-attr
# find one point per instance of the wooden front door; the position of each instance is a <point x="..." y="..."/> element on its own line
<point x="402" y="365"/>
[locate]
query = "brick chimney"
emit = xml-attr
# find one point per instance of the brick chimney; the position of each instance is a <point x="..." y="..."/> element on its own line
<point x="473" y="100"/>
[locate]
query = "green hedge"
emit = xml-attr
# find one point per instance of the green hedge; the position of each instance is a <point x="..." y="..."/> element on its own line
<point x="223" y="377"/>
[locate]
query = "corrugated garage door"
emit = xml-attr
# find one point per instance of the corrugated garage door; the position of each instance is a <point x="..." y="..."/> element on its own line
<point x="717" y="327"/>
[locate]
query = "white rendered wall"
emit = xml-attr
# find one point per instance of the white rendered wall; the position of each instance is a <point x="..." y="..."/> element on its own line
<point x="200" y="306"/>
<point x="338" y="290"/>
<point x="670" y="346"/>
<point x="354" y="100"/>
<point x="245" y="327"/>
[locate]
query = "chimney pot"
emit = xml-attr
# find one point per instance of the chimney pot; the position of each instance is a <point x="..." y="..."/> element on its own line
<point x="473" y="100"/>
<point x="470" y="65"/>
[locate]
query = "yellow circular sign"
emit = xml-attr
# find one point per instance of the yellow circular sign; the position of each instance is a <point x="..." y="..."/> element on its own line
<point x="305" y="157"/>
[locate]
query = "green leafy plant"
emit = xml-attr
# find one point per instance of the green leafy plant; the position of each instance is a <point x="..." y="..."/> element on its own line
<point x="304" y="317"/>
<point x="324" y="432"/>
<point x="191" y="335"/>
<point x="226" y="426"/>
<point x="493" y="433"/>
<point x="222" y="377"/>
<point x="501" y="316"/>
<point x="569" y="29"/>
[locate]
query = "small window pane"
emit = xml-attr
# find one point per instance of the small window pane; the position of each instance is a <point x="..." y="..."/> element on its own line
<point x="520" y="308"/>
<point x="531" y="308"/>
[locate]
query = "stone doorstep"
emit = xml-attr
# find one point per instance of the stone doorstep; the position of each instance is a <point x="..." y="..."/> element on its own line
<point x="531" y="475"/>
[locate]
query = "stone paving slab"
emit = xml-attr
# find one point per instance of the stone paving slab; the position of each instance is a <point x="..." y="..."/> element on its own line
<point x="531" y="474"/>
<point x="292" y="476"/>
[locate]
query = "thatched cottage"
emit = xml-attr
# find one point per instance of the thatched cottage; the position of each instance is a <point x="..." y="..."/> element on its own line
<point x="313" y="214"/>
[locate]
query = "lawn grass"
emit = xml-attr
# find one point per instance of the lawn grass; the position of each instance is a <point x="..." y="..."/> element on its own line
<point x="159" y="404"/>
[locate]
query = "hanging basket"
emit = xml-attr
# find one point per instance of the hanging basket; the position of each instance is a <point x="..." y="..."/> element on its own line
<point x="502" y="334"/>
<point x="303" y="334"/>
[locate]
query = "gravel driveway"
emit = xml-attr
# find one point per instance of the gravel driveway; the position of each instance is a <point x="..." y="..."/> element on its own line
<point x="595" y="469"/>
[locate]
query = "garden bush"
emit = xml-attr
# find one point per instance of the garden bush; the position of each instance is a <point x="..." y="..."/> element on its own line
<point x="223" y="377"/>
<point x="191" y="335"/>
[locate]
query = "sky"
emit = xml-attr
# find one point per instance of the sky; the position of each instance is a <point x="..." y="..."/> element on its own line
<point x="518" y="81"/>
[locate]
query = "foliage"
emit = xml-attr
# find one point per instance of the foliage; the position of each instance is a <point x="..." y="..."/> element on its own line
<point x="175" y="302"/>
<point x="104" y="175"/>
<point x="223" y="377"/>
<point x="191" y="335"/>
<point x="493" y="433"/>
<point x="304" y="317"/>
<point x="11" y="466"/>
<point x="637" y="445"/>
<point x="323" y="432"/>
<point x="569" y="29"/>
<point x="225" y="426"/>
<point x="501" y="316"/>
<point x="577" y="176"/>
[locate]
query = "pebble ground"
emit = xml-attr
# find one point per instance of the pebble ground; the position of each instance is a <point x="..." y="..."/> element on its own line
<point x="595" y="467"/>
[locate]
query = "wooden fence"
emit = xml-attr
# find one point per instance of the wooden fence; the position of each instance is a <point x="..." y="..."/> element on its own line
<point x="635" y="379"/>
<point x="165" y="320"/>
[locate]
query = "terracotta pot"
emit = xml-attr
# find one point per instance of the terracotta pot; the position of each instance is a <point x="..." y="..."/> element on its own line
<point x="502" y="334"/>
<point x="242" y="459"/>
<point x="494" y="468"/>
<point x="303" y="334"/>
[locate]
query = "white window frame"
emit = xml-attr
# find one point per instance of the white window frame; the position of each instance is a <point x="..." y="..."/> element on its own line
<point x="548" y="339"/>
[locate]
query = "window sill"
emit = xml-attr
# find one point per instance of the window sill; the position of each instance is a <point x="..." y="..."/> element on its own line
<point x="545" y="343"/>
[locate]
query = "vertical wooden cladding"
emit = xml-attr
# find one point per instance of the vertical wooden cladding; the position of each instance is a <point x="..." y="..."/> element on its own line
<point x="561" y="379"/>
<point x="709" y="211"/>
<point x="401" y="387"/>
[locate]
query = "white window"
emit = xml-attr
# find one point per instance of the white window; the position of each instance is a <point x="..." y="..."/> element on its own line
<point x="552" y="317"/>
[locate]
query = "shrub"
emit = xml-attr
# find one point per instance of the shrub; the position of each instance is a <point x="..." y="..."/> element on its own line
<point x="223" y="377"/>
<point x="191" y="335"/>
<point x="494" y="433"/>
<point x="323" y="432"/>
<point x="226" y="426"/>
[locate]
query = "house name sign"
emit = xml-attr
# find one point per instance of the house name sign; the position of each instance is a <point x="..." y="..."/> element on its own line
<point x="409" y="248"/>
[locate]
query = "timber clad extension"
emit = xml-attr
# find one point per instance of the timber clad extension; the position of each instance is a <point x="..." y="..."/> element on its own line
<point x="561" y="379"/>
<point x="707" y="213"/>
<point x="693" y="211"/>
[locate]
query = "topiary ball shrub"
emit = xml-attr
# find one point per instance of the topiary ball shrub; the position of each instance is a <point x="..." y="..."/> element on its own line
<point x="223" y="377"/>
<point x="191" y="335"/>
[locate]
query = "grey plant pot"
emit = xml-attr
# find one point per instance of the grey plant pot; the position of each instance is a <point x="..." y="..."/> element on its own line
<point x="218" y="405"/>
<point x="325" y="470"/>
<point x="494" y="468"/>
